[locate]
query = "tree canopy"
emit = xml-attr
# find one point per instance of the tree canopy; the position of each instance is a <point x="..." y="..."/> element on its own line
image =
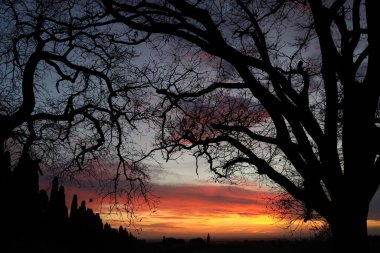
<point x="70" y="97"/>
<point x="283" y="89"/>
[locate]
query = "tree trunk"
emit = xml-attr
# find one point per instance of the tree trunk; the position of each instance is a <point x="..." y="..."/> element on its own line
<point x="349" y="230"/>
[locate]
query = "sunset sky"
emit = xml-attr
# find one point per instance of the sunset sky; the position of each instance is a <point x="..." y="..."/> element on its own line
<point x="192" y="206"/>
<point x="256" y="89"/>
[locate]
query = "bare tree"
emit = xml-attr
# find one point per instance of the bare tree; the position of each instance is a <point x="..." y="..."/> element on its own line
<point x="283" y="89"/>
<point x="69" y="96"/>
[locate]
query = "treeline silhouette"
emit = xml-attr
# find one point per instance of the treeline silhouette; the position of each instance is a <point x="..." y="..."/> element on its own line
<point x="177" y="244"/>
<point x="34" y="221"/>
<point x="290" y="245"/>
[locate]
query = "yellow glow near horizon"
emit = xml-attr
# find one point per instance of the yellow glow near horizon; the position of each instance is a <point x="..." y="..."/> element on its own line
<point x="193" y="211"/>
<point x="373" y="223"/>
<point x="170" y="223"/>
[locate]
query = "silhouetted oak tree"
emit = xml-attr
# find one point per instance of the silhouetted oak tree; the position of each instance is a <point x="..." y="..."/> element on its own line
<point x="68" y="94"/>
<point x="284" y="89"/>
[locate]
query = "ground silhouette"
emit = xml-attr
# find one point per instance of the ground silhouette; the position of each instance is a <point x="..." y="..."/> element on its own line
<point x="311" y="245"/>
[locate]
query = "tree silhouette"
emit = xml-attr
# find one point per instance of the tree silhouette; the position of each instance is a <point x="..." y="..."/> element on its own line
<point x="74" y="208"/>
<point x="283" y="89"/>
<point x="69" y="98"/>
<point x="45" y="225"/>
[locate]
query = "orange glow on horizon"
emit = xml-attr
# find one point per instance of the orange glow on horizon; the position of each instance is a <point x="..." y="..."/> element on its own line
<point x="194" y="210"/>
<point x="189" y="211"/>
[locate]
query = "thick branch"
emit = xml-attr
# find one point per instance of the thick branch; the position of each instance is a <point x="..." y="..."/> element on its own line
<point x="205" y="91"/>
<point x="28" y="102"/>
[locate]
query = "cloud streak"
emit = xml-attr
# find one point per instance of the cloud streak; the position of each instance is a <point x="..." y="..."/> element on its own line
<point x="211" y="198"/>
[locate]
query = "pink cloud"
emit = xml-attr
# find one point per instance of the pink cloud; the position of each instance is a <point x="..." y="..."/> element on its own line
<point x="220" y="108"/>
<point x="211" y="194"/>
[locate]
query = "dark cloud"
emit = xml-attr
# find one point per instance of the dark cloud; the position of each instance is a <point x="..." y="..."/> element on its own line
<point x="211" y="195"/>
<point x="374" y="208"/>
<point x="248" y="214"/>
<point x="164" y="225"/>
